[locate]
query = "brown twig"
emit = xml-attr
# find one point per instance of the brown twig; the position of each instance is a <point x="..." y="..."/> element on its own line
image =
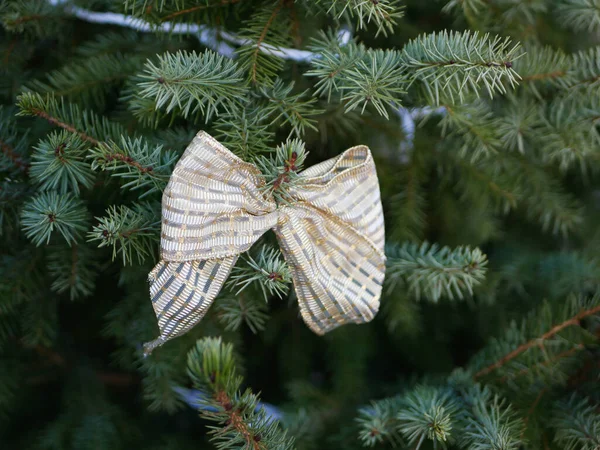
<point x="9" y="50"/>
<point x="56" y="359"/>
<point x="262" y="38"/>
<point x="290" y="166"/>
<point x="236" y="421"/>
<point x="543" y="76"/>
<point x="575" y="320"/>
<point x="296" y="36"/>
<point x="558" y="357"/>
<point x="75" y="260"/>
<point x="9" y="152"/>
<point x="531" y="409"/>
<point x="26" y="19"/>
<point x="129" y="161"/>
<point x="65" y="126"/>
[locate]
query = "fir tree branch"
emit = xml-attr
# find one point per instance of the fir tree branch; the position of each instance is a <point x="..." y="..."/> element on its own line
<point x="493" y="426"/>
<point x="13" y="146"/>
<point x="49" y="212"/>
<point x="206" y="35"/>
<point x="246" y="132"/>
<point x="129" y="231"/>
<point x="58" y="163"/>
<point x="233" y="311"/>
<point x="575" y="320"/>
<point x="134" y="162"/>
<point x="268" y="271"/>
<point x="541" y="364"/>
<point x="238" y="420"/>
<point x="89" y="80"/>
<point x="458" y="63"/>
<point x="87" y="125"/>
<point x="192" y="83"/>
<point x="262" y="69"/>
<point x="34" y="18"/>
<point x="408" y="206"/>
<point x="10" y="153"/>
<point x="434" y="272"/>
<point x="384" y="13"/>
<point x="427" y="413"/>
<point x="474" y="125"/>
<point x="577" y="424"/>
<point x="73" y="270"/>
<point x="282" y="107"/>
<point x="580" y="15"/>
<point x="586" y="69"/>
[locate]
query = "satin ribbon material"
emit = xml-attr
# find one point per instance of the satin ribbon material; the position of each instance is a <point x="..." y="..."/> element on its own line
<point x="331" y="234"/>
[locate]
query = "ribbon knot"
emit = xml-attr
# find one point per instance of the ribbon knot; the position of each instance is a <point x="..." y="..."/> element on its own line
<point x="215" y="207"/>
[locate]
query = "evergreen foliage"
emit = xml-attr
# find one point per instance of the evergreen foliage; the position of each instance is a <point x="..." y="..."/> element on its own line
<point x="483" y="118"/>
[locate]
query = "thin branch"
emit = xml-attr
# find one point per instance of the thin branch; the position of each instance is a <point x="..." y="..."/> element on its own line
<point x="547" y="362"/>
<point x="63" y="125"/>
<point x="530" y="411"/>
<point x="25" y="19"/>
<point x="575" y="320"/>
<point x="16" y="159"/>
<point x="262" y="37"/>
<point x="236" y="421"/>
<point x="129" y="161"/>
<point x="543" y="76"/>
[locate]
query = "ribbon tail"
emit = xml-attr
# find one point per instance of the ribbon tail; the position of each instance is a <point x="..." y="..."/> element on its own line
<point x="182" y="292"/>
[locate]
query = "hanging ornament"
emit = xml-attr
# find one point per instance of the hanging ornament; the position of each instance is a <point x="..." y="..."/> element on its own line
<point x="329" y="224"/>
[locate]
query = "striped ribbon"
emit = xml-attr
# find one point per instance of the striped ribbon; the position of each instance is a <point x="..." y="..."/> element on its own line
<point x="215" y="207"/>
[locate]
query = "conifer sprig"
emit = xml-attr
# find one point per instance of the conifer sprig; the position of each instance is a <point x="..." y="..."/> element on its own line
<point x="89" y="126"/>
<point x="238" y="421"/>
<point x="136" y="163"/>
<point x="268" y="27"/>
<point x="493" y="425"/>
<point x="473" y="124"/>
<point x="131" y="232"/>
<point x="586" y="70"/>
<point x="577" y="424"/>
<point x="454" y="412"/>
<point x="89" y="81"/>
<point x="544" y="66"/>
<point x="533" y="334"/>
<point x="49" y="213"/>
<point x="192" y="83"/>
<point x="248" y="134"/>
<point x="13" y="146"/>
<point x="281" y="171"/>
<point x="407" y="212"/>
<point x="33" y="18"/>
<point x="456" y="64"/>
<point x="359" y="76"/>
<point x="580" y="15"/>
<point x="233" y="311"/>
<point x="282" y="107"/>
<point x="73" y="270"/>
<point x="268" y="271"/>
<point x="428" y="413"/>
<point x="383" y="13"/>
<point x="59" y="163"/>
<point x="433" y="272"/>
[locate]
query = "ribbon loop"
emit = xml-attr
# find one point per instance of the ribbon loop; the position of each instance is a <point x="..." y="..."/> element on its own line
<point x="213" y="206"/>
<point x="332" y="236"/>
